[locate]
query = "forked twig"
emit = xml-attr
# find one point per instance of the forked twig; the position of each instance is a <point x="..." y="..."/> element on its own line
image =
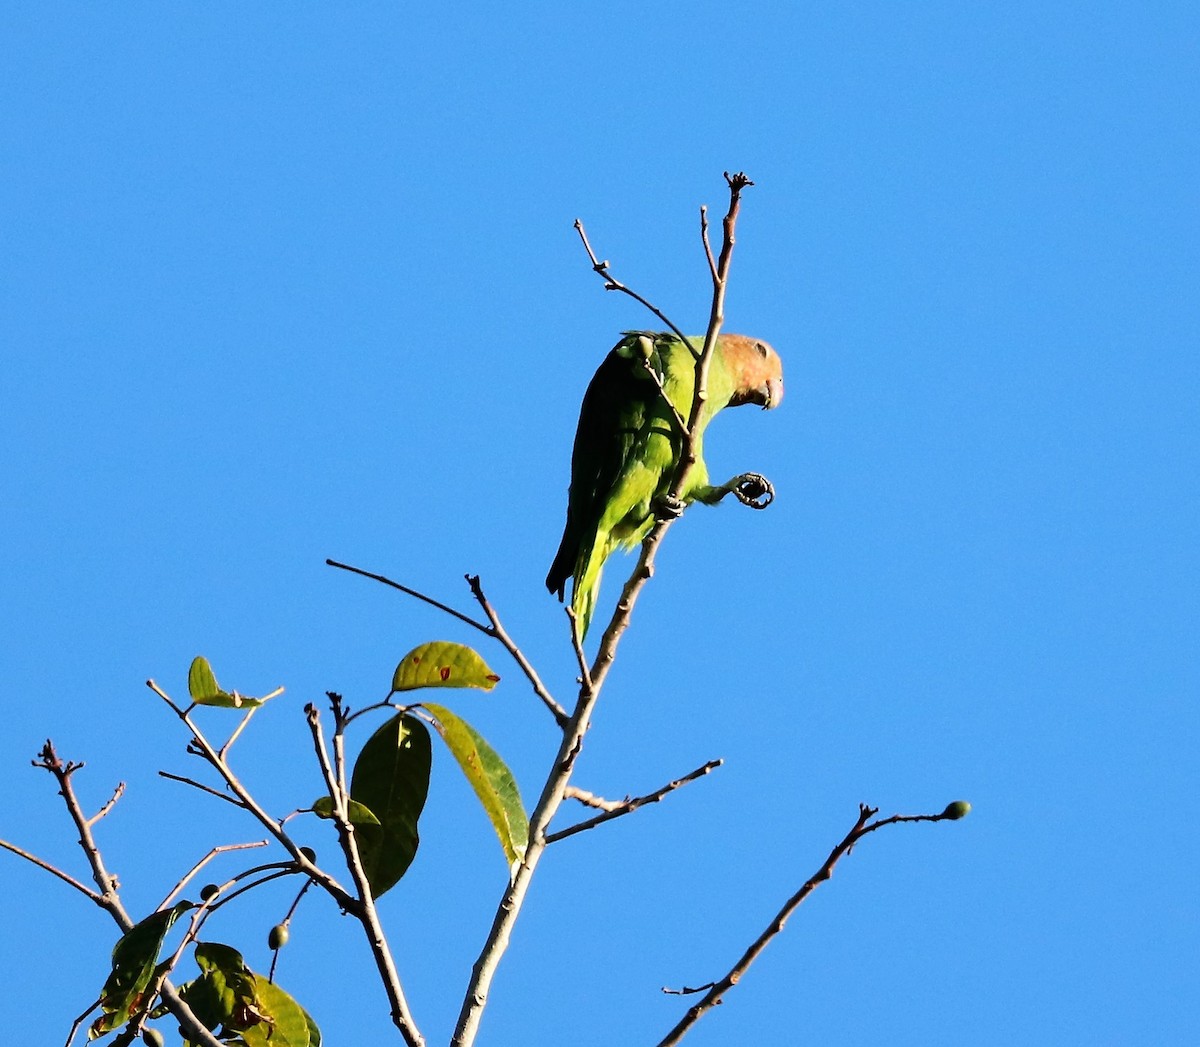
<point x="611" y="283"/>
<point x="112" y="802"/>
<point x="107" y="897"/>
<point x="202" y="787"/>
<point x="625" y="807"/>
<point x="551" y="798"/>
<point x="41" y="863"/>
<point x="714" y="991"/>
<point x="416" y="594"/>
<point x="501" y="634"/>
<point x="187" y="877"/>
<point x="494" y="629"/>
<point x="585" y="672"/>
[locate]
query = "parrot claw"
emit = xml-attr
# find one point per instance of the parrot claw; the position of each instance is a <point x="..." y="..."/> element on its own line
<point x="754" y="490"/>
<point x="668" y="508"/>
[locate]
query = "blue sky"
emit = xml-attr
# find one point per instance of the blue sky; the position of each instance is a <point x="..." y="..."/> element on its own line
<point x="289" y="283"/>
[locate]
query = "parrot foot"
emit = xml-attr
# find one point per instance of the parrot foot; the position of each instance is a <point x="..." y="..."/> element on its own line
<point x="753" y="489"/>
<point x="668" y="508"/>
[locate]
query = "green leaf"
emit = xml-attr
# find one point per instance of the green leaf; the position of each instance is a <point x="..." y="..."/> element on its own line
<point x="491" y="779"/>
<point x="442" y="664"/>
<point x="251" y="1011"/>
<point x="133" y="961"/>
<point x="391" y="779"/>
<point x="202" y="682"/>
<point x="203" y="688"/>
<point x="359" y="814"/>
<point x="225" y="987"/>
<point x="284" y="1023"/>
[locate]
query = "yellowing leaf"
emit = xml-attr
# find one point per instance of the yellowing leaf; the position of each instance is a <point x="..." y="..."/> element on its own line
<point x="489" y="776"/>
<point x="442" y="664"/>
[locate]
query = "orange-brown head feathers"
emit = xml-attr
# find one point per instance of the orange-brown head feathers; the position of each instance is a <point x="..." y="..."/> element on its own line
<point x="756" y="369"/>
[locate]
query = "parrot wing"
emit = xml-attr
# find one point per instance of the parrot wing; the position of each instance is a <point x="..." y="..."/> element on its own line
<point x="619" y="400"/>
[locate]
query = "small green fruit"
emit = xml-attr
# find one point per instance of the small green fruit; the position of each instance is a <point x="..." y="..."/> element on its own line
<point x="153" y="1038"/>
<point x="209" y="891"/>
<point x="309" y="853"/>
<point x="957" y="809"/>
<point x="278" y="937"/>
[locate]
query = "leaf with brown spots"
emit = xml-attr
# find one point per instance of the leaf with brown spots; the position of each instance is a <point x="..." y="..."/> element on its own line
<point x="442" y="664"/>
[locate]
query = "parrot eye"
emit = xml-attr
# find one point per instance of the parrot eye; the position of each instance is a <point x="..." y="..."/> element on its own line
<point x="762" y="349"/>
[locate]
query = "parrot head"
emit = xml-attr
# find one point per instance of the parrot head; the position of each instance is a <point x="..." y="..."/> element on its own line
<point x="757" y="371"/>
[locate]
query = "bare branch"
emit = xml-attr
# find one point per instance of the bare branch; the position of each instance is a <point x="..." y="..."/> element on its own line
<point x="716" y="990"/>
<point x="224" y="750"/>
<point x="222" y="849"/>
<point x="589" y="799"/>
<point x="618" y="810"/>
<point x="611" y="283"/>
<point x="387" y="703"/>
<point x="202" y="787"/>
<point x="585" y="673"/>
<point x="112" y="802"/>
<point x="501" y="634"/>
<point x="467" y="619"/>
<point x="712" y="262"/>
<point x="54" y="870"/>
<point x="494" y="629"/>
<point x="687" y="990"/>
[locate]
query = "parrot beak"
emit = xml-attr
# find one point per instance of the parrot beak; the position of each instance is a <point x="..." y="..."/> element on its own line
<point x="774" y="393"/>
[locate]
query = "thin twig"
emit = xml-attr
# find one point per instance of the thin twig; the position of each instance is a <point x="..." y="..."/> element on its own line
<point x="585" y="672"/>
<point x="716" y="990"/>
<point x="494" y="629"/>
<point x="223" y="848"/>
<point x="687" y="990"/>
<point x="611" y="283"/>
<point x="589" y="799"/>
<point x="53" y="870"/>
<point x="202" y="787"/>
<point x="416" y="594"/>
<point x="712" y="262"/>
<point x="501" y="634"/>
<point x="224" y="750"/>
<point x="112" y="802"/>
<point x="79" y="1021"/>
<point x="664" y="396"/>
<point x="387" y="703"/>
<point x="631" y="805"/>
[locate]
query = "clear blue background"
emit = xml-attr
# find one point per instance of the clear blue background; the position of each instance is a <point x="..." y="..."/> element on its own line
<point x="284" y="282"/>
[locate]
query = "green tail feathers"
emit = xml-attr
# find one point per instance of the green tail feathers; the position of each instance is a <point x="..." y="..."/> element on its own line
<point x="584" y="589"/>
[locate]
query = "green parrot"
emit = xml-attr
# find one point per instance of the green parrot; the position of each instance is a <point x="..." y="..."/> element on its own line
<point x="627" y="446"/>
